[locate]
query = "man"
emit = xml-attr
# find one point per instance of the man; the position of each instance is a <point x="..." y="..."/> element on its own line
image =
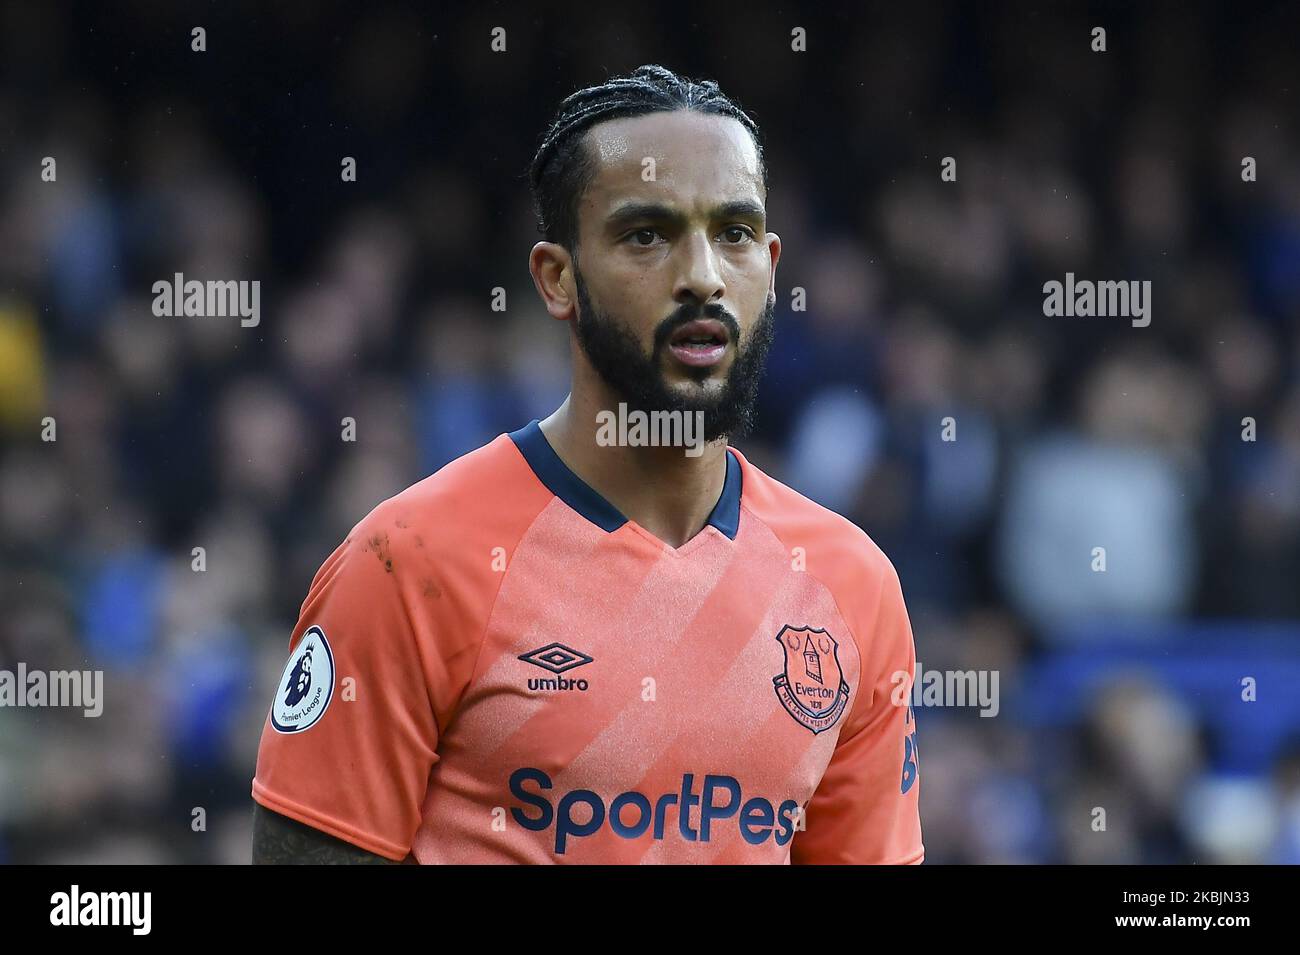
<point x="572" y="645"/>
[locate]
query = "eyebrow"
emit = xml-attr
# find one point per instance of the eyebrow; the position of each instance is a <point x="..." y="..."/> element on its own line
<point x="631" y="212"/>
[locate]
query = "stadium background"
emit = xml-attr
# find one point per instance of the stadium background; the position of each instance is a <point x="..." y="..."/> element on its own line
<point x="1121" y="690"/>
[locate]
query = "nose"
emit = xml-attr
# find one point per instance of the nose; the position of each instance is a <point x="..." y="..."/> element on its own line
<point x="698" y="279"/>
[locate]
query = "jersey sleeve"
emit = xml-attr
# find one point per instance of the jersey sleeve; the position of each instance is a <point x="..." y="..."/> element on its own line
<point x="866" y="809"/>
<point x="348" y="747"/>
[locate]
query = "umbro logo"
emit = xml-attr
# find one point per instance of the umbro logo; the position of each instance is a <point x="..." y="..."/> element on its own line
<point x="556" y="658"/>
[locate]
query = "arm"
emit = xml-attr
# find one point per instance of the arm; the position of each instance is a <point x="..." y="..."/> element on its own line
<point x="866" y="809"/>
<point x="350" y="737"/>
<point x="279" y="840"/>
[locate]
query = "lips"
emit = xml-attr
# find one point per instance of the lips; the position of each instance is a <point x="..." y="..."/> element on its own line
<point x="700" y="343"/>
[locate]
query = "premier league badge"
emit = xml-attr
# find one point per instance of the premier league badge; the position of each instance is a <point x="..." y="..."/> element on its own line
<point x="811" y="686"/>
<point x="307" y="685"/>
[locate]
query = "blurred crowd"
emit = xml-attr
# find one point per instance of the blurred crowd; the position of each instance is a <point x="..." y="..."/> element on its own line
<point x="1122" y="689"/>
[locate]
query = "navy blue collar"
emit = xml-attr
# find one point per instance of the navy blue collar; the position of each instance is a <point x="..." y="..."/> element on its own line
<point x="580" y="496"/>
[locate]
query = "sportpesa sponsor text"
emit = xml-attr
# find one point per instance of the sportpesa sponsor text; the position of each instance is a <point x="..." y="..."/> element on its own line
<point x="757" y="818"/>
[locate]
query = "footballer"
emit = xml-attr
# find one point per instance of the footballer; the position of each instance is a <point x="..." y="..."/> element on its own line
<point x="565" y="649"/>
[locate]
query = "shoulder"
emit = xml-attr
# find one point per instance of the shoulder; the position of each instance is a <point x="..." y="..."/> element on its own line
<point x="439" y="547"/>
<point x="428" y="562"/>
<point x="487" y="497"/>
<point x="842" y="557"/>
<point x="834" y="549"/>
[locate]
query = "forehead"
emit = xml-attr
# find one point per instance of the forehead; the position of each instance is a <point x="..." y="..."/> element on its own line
<point x="700" y="160"/>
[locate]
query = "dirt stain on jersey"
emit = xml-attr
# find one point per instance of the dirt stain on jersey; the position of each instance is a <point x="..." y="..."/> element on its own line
<point x="378" y="544"/>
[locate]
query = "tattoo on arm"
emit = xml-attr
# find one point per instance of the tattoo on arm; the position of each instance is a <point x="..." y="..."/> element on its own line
<point x="279" y="840"/>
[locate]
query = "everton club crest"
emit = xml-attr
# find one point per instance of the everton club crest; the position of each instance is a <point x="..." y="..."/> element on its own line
<point x="812" y="687"/>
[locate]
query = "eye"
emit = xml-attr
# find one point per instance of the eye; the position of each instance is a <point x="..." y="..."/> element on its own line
<point x="639" y="232"/>
<point x="745" y="234"/>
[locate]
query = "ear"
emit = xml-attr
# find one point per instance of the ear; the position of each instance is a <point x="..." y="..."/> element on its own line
<point x="774" y="253"/>
<point x="552" y="270"/>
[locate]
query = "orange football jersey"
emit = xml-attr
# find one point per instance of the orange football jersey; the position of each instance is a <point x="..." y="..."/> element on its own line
<point x="497" y="666"/>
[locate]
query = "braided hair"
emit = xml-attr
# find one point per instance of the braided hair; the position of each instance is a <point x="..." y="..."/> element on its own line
<point x="562" y="169"/>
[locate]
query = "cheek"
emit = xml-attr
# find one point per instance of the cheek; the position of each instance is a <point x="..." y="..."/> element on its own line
<point x="638" y="299"/>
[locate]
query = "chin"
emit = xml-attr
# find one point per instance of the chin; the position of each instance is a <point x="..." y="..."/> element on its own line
<point x="695" y="382"/>
<point x="706" y="389"/>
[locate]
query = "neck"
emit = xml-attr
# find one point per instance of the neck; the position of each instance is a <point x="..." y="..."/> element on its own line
<point x="662" y="489"/>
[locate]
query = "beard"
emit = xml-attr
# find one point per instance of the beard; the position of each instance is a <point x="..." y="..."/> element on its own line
<point x="637" y="378"/>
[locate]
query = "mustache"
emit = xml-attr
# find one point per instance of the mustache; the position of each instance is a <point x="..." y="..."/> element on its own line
<point x="691" y="313"/>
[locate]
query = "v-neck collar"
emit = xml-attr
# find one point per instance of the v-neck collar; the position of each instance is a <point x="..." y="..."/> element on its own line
<point x="588" y="502"/>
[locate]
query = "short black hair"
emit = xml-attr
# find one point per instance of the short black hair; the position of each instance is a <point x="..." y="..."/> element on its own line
<point x="562" y="168"/>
